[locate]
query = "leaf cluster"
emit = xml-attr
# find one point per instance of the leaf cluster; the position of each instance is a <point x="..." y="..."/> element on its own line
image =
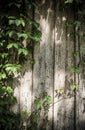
<point x="18" y="32"/>
<point x="42" y="104"/>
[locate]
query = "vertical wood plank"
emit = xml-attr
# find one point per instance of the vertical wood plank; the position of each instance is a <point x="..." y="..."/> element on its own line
<point x="43" y="55"/>
<point x="80" y="105"/>
<point x="23" y="81"/>
<point x="39" y="66"/>
<point x="49" y="58"/>
<point x="59" y="69"/>
<point x="63" y="105"/>
<point x="22" y="89"/>
<point x="25" y="88"/>
<point x="69" y="74"/>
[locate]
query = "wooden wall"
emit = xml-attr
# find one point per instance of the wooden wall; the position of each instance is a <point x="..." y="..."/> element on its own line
<point x="54" y="58"/>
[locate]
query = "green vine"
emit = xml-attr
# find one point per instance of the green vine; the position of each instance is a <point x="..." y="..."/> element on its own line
<point x="18" y="32"/>
<point x="42" y="104"/>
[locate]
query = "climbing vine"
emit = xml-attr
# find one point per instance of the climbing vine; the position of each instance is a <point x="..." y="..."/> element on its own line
<point x="42" y="104"/>
<point x="18" y="33"/>
<point x="78" y="53"/>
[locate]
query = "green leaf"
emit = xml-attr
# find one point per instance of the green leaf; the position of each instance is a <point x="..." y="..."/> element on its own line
<point x="17" y="22"/>
<point x="9" y="90"/>
<point x="11" y="45"/>
<point x="75" y="69"/>
<point x="48" y="99"/>
<point x="13" y="68"/>
<point x="2" y="43"/>
<point x="4" y="88"/>
<point x="11" y="21"/>
<point x="22" y="35"/>
<point x="24" y="114"/>
<point x="23" y="51"/>
<point x="10" y="33"/>
<point x="34" y="23"/>
<point x="3" y="76"/>
<point x="39" y="105"/>
<point x="3" y="55"/>
<point x="22" y="22"/>
<point x="75" y="87"/>
<point x="36" y="37"/>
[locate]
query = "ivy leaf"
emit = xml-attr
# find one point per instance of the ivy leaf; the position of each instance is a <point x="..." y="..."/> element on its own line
<point x="34" y="23"/>
<point x="39" y="105"/>
<point x="36" y="38"/>
<point x="11" y="45"/>
<point x="22" y="22"/>
<point x="3" y="76"/>
<point x="4" y="88"/>
<point x="11" y="21"/>
<point x="13" y="68"/>
<point x="75" y="69"/>
<point x="9" y="90"/>
<point x="22" y="35"/>
<point x="10" y="33"/>
<point x="17" y="22"/>
<point x="3" y="55"/>
<point x="23" y="51"/>
<point x="48" y="99"/>
<point x="2" y="43"/>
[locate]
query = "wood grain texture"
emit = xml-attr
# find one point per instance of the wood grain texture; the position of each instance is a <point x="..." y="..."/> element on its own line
<point x="64" y="78"/>
<point x="80" y="105"/>
<point x="51" y="73"/>
<point x="22" y="89"/>
<point x="43" y="55"/>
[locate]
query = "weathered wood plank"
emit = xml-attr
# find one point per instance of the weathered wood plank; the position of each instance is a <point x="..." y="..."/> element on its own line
<point x="25" y="89"/>
<point x="80" y="104"/>
<point x="63" y="105"/>
<point x="49" y="58"/>
<point x="22" y="89"/>
<point x="54" y="56"/>
<point x="43" y="55"/>
<point x="59" y="69"/>
<point x="69" y="74"/>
